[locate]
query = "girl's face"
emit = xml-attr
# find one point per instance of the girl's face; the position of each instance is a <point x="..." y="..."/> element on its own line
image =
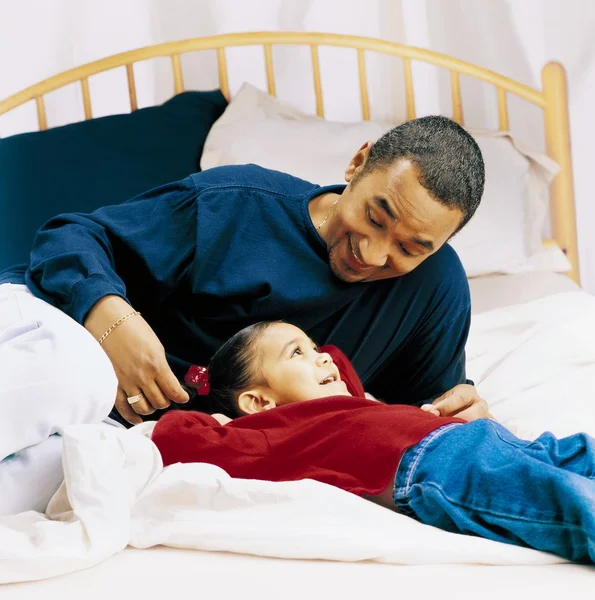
<point x="294" y="369"/>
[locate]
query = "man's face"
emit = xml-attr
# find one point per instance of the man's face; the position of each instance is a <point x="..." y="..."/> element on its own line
<point x="385" y="223"/>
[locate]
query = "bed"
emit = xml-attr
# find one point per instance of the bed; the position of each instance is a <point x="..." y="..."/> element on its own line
<point x="528" y="312"/>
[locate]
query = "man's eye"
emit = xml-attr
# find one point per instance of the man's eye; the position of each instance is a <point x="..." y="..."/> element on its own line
<point x="371" y="219"/>
<point x="404" y="250"/>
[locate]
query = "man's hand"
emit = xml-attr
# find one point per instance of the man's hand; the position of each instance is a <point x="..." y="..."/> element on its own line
<point x="462" y="401"/>
<point x="138" y="358"/>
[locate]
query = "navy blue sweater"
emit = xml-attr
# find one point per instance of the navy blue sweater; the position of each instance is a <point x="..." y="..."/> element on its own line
<point x="203" y="257"/>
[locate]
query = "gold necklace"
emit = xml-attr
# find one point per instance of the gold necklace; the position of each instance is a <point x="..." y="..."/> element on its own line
<point x="328" y="214"/>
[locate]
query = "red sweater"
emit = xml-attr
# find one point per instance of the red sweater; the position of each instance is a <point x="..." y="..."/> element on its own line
<point x="350" y="442"/>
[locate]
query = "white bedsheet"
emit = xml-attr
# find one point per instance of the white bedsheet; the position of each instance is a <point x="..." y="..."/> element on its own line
<point x="536" y="361"/>
<point x="116" y="493"/>
<point x="535" y="364"/>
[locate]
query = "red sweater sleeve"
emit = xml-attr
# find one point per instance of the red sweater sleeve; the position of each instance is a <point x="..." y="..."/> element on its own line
<point x="348" y="374"/>
<point x="189" y="436"/>
<point x="351" y="443"/>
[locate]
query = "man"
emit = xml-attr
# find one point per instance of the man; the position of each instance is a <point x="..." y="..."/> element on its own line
<point x="363" y="266"/>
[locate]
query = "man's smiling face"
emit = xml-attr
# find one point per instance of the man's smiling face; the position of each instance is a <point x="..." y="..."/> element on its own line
<point x="385" y="223"/>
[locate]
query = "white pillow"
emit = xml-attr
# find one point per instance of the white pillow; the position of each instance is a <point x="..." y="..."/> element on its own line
<point x="257" y="128"/>
<point x="505" y="234"/>
<point x="502" y="237"/>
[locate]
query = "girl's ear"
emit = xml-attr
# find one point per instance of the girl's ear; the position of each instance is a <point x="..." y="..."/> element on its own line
<point x="255" y="401"/>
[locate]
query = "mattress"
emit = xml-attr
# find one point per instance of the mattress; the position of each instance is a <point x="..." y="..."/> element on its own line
<point x="497" y="291"/>
<point x="158" y="573"/>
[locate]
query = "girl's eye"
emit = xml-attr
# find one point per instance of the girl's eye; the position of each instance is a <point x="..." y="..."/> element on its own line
<point x="297" y="352"/>
<point x="404" y="250"/>
<point x="371" y="219"/>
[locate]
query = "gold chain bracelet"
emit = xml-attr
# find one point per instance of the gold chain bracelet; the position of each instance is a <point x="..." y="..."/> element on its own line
<point x="118" y="322"/>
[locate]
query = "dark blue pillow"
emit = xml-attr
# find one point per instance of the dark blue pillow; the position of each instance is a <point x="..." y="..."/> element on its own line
<point x="80" y="167"/>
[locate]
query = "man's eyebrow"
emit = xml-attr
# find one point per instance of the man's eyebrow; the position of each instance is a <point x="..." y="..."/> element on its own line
<point x="386" y="207"/>
<point x="427" y="244"/>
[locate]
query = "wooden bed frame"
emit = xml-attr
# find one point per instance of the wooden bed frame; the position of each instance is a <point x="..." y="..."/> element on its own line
<point x="552" y="98"/>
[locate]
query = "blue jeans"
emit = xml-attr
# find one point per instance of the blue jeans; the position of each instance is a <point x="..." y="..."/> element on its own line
<point x="479" y="479"/>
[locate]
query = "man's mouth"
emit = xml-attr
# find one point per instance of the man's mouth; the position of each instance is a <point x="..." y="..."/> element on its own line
<point x="353" y="253"/>
<point x="361" y="266"/>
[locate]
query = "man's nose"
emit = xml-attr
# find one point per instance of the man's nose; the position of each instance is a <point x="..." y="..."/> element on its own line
<point x="374" y="252"/>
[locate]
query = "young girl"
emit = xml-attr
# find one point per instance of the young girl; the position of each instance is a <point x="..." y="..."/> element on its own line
<point x="303" y="415"/>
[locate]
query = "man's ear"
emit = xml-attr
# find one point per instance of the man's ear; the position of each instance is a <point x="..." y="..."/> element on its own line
<point x="255" y="401"/>
<point x="358" y="161"/>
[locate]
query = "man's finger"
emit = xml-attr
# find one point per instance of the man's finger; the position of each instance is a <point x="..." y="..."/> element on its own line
<point x="125" y="409"/>
<point x="444" y="396"/>
<point x="155" y="396"/>
<point x="171" y="387"/>
<point x="452" y="405"/>
<point x="140" y="405"/>
<point x="479" y="410"/>
<point x="431" y="409"/>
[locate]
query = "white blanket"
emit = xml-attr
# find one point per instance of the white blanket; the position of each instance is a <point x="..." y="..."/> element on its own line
<point x="537" y="362"/>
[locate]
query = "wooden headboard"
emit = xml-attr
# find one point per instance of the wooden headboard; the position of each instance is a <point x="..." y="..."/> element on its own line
<point x="552" y="98"/>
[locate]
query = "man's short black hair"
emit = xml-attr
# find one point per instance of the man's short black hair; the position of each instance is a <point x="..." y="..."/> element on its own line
<point x="447" y="159"/>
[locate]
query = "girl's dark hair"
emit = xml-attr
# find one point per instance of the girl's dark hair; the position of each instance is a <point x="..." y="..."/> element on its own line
<point x="235" y="368"/>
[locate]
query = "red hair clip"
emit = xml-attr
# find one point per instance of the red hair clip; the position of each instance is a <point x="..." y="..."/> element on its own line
<point x="198" y="378"/>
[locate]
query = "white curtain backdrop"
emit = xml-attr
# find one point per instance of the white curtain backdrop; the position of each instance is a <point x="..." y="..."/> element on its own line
<point x="517" y="38"/>
<point x="39" y="38"/>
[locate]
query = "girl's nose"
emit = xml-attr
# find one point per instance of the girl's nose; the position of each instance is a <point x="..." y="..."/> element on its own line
<point x="324" y="358"/>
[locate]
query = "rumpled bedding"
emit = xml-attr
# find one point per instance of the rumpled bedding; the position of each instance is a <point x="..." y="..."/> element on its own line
<point x="535" y="362"/>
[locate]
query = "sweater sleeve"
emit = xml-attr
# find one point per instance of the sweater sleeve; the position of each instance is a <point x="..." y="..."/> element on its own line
<point x="77" y="258"/>
<point x="190" y="436"/>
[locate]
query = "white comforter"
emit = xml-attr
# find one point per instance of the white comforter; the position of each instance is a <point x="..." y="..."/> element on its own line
<point x="534" y="362"/>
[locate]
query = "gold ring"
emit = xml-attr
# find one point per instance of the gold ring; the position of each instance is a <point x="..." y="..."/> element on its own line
<point x="134" y="399"/>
